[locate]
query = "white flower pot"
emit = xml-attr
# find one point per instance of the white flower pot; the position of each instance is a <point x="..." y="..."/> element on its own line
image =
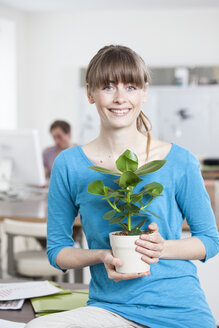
<point x="124" y="247"/>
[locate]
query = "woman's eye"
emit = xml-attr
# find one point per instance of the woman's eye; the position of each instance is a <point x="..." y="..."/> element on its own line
<point x="107" y="87"/>
<point x="131" y="87"/>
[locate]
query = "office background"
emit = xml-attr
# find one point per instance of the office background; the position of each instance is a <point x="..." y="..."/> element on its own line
<point x="50" y="41"/>
<point x="45" y="47"/>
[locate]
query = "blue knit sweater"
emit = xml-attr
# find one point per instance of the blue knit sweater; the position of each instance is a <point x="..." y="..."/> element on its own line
<point x="171" y="296"/>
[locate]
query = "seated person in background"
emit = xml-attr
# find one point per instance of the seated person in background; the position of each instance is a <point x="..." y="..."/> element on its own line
<point x="61" y="133"/>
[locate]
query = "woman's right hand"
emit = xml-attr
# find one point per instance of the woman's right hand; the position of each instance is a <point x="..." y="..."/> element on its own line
<point x="110" y="262"/>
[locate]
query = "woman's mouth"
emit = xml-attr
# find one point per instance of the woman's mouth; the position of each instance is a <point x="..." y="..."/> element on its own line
<point x="119" y="112"/>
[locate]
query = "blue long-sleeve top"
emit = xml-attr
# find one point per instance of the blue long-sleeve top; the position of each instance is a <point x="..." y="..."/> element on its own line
<point x="171" y="296"/>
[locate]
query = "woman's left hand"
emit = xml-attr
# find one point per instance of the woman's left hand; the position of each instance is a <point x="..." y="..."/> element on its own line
<point x="150" y="245"/>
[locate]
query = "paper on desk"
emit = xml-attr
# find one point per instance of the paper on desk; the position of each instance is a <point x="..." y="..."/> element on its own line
<point x="11" y="324"/>
<point x="11" y="305"/>
<point x="19" y="290"/>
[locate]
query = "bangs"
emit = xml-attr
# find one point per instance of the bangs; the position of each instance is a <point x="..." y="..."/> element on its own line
<point x="117" y="66"/>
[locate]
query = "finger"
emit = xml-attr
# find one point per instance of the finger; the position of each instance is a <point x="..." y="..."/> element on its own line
<point x="139" y="275"/>
<point x="127" y="276"/>
<point x="154" y="238"/>
<point x="153" y="226"/>
<point x="149" y="260"/>
<point x="116" y="261"/>
<point x="112" y="274"/>
<point x="149" y="245"/>
<point x="148" y="252"/>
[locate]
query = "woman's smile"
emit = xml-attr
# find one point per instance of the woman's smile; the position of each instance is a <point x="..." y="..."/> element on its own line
<point x="119" y="111"/>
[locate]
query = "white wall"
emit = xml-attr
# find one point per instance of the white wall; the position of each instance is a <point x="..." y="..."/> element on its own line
<point x="8" y="101"/>
<point x="58" y="44"/>
<point x="17" y="19"/>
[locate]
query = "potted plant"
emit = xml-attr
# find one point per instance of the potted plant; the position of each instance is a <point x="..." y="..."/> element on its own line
<point x="127" y="204"/>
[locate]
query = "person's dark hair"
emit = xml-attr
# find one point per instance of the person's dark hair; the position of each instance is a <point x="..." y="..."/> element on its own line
<point x="124" y="65"/>
<point x="65" y="126"/>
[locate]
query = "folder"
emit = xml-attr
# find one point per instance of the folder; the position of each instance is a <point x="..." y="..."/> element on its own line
<point x="63" y="301"/>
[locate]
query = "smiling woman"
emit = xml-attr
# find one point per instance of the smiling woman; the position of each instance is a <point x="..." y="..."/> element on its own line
<point x="116" y="70"/>
<point x="169" y="295"/>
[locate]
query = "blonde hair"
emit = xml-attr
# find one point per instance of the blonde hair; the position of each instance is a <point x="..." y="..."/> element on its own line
<point x="123" y="65"/>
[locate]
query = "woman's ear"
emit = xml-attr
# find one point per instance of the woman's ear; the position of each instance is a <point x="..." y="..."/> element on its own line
<point x="145" y="92"/>
<point x="89" y="95"/>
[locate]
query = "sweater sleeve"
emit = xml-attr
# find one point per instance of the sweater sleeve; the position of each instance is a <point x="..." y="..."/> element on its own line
<point x="194" y="202"/>
<point x="61" y="211"/>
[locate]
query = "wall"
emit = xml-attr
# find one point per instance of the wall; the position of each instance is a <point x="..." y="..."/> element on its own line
<point x="18" y="19"/>
<point x="58" y="44"/>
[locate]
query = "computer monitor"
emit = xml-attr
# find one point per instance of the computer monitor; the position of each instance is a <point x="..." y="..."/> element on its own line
<point x="21" y="159"/>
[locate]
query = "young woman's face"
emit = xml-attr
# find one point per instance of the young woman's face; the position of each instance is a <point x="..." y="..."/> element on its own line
<point x="118" y="104"/>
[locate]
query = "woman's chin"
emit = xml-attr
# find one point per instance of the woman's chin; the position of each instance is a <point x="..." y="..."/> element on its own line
<point x="120" y="125"/>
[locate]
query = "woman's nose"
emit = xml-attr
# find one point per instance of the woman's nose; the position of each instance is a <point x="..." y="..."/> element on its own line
<point x="119" y="96"/>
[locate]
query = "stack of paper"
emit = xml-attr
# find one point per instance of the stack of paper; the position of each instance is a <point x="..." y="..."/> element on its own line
<point x="22" y="290"/>
<point x="64" y="301"/>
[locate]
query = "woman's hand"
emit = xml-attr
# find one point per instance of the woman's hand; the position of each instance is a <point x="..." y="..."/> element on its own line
<point x="150" y="245"/>
<point x="110" y="262"/>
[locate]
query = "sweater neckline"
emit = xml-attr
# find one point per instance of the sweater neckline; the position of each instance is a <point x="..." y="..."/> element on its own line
<point x="167" y="157"/>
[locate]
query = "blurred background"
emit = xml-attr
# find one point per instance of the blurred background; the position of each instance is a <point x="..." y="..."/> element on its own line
<point x="45" y="47"/>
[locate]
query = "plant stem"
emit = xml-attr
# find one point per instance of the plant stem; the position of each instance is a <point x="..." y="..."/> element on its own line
<point x="142" y="208"/>
<point x="113" y="206"/>
<point x="128" y="214"/>
<point x="129" y="221"/>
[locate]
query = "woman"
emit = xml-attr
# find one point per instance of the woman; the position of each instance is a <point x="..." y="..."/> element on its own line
<point x="170" y="294"/>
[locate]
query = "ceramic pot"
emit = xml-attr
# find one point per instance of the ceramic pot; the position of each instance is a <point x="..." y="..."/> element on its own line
<point x="123" y="247"/>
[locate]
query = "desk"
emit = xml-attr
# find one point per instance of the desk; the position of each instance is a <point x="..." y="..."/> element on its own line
<point x="27" y="210"/>
<point x="27" y="313"/>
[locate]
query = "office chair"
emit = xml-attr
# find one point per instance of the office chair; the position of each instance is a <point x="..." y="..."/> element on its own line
<point x="28" y="263"/>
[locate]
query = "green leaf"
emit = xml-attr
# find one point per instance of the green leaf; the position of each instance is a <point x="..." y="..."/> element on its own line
<point x="96" y="187"/>
<point x="128" y="161"/>
<point x="129" y="178"/>
<point x="124" y="226"/>
<point x="140" y="224"/>
<point x="110" y="214"/>
<point x="144" y="215"/>
<point x="114" y="194"/>
<point x="116" y="200"/>
<point x="136" y="198"/>
<point x="154" y="214"/>
<point x="131" y="208"/>
<point x="103" y="170"/>
<point x="134" y="232"/>
<point x="150" y="167"/>
<point x="117" y="219"/>
<point x="154" y="187"/>
<point x="117" y="180"/>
